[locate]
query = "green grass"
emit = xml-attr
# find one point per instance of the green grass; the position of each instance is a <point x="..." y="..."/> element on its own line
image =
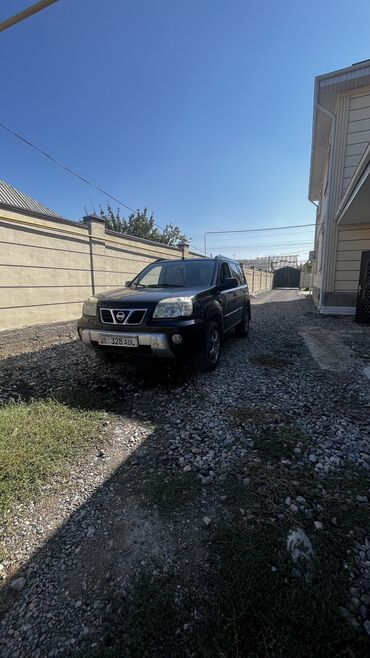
<point x="249" y="605"/>
<point x="279" y="443"/>
<point x="37" y="440"/>
<point x="271" y="360"/>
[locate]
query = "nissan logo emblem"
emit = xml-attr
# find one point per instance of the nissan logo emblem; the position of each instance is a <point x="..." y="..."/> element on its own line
<point x="120" y="316"/>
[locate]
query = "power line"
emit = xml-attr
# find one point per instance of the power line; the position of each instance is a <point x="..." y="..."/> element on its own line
<point x="70" y="171"/>
<point x="25" y="13"/>
<point x="262" y="246"/>
<point x="252" y="230"/>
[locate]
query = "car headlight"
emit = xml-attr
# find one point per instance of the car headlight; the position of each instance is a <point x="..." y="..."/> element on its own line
<point x="174" y="307"/>
<point x="89" y="307"/>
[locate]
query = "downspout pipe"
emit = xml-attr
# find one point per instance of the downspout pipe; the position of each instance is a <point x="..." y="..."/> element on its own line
<point x="332" y="116"/>
<point x="312" y="272"/>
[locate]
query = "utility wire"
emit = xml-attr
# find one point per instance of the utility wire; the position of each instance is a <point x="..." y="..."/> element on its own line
<point x="250" y="245"/>
<point x="254" y="230"/>
<point x="251" y="230"/>
<point x="70" y="171"/>
<point x="26" y="13"/>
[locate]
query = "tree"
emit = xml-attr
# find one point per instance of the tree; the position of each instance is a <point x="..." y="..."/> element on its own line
<point x="141" y="225"/>
<point x="307" y="266"/>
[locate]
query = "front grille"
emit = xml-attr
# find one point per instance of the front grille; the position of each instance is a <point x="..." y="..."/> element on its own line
<point x="136" y="317"/>
<point x="106" y="316"/>
<point x="122" y="316"/>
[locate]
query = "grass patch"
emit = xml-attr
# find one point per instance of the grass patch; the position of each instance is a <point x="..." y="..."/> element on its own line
<point x="37" y="440"/>
<point x="261" y="612"/>
<point x="250" y="605"/>
<point x="279" y="443"/>
<point x="270" y="360"/>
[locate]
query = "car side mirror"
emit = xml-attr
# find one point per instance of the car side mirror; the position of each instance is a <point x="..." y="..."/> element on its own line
<point x="231" y="282"/>
<point x="127" y="284"/>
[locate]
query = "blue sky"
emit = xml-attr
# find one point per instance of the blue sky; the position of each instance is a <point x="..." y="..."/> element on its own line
<point x="199" y="109"/>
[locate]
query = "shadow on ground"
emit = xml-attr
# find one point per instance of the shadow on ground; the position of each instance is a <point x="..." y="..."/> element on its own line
<point x="156" y="563"/>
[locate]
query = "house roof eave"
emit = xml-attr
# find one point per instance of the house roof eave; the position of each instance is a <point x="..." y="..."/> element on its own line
<point x="327" y="88"/>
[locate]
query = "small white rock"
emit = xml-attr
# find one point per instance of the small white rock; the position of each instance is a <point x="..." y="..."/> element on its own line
<point x="206" y="520"/>
<point x="187" y="468"/>
<point x="318" y="525"/>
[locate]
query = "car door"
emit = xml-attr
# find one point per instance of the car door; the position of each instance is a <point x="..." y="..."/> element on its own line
<point x="228" y="296"/>
<point x="240" y="297"/>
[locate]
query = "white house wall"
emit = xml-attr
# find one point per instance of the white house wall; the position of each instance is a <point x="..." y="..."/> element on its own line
<point x="358" y="135"/>
<point x="352" y="240"/>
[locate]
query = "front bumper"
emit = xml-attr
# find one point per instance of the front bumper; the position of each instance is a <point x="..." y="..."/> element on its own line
<point x="157" y="342"/>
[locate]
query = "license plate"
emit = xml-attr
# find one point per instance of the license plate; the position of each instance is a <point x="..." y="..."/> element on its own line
<point x="118" y="341"/>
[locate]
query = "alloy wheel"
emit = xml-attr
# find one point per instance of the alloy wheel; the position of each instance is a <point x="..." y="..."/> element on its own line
<point x="214" y="345"/>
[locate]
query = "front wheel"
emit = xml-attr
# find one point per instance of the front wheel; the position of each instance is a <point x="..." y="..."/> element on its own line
<point x="242" y="329"/>
<point x="211" y="350"/>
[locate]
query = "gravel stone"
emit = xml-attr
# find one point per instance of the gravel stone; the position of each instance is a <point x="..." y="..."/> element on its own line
<point x="172" y="421"/>
<point x="18" y="584"/>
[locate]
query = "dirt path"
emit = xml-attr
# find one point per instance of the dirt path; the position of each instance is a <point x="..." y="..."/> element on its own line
<point x="226" y="514"/>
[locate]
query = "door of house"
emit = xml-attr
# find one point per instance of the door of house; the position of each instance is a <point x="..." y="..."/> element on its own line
<point x="363" y="294"/>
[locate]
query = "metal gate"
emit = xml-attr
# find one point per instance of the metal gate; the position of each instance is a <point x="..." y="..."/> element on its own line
<point x="287" y="277"/>
<point x="363" y="294"/>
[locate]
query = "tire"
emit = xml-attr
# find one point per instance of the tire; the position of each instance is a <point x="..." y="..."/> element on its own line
<point x="242" y="329"/>
<point x="210" y="354"/>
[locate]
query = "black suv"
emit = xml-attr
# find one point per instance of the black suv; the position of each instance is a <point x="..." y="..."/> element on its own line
<point x="173" y="308"/>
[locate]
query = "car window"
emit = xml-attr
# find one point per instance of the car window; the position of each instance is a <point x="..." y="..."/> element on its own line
<point x="236" y="272"/>
<point x="151" y="278"/>
<point x="181" y="274"/>
<point x="224" y="272"/>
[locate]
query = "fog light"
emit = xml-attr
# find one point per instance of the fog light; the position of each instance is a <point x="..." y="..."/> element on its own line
<point x="177" y="339"/>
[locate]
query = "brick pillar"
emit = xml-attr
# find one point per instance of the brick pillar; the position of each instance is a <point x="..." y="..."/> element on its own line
<point x="184" y="246"/>
<point x="96" y="226"/>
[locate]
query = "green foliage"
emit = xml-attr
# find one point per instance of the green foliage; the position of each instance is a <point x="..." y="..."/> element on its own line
<point x="37" y="441"/>
<point x="141" y="225"/>
<point x="307" y="266"/>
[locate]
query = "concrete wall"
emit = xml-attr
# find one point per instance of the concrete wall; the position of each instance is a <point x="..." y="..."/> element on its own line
<point x="258" y="280"/>
<point x="305" y="280"/>
<point x="48" y="266"/>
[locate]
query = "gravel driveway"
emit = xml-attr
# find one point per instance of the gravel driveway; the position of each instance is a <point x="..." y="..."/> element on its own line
<point x="265" y="461"/>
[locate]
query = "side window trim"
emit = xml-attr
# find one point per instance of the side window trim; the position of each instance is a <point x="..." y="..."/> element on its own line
<point x="236" y="271"/>
<point x="224" y="264"/>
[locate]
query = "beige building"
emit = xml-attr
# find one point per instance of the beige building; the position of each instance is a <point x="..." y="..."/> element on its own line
<point x="340" y="185"/>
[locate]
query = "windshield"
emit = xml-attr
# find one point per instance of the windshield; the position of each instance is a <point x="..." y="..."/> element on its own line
<point x="176" y="274"/>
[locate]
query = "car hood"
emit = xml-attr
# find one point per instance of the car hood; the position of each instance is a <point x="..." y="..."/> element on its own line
<point x="145" y="295"/>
